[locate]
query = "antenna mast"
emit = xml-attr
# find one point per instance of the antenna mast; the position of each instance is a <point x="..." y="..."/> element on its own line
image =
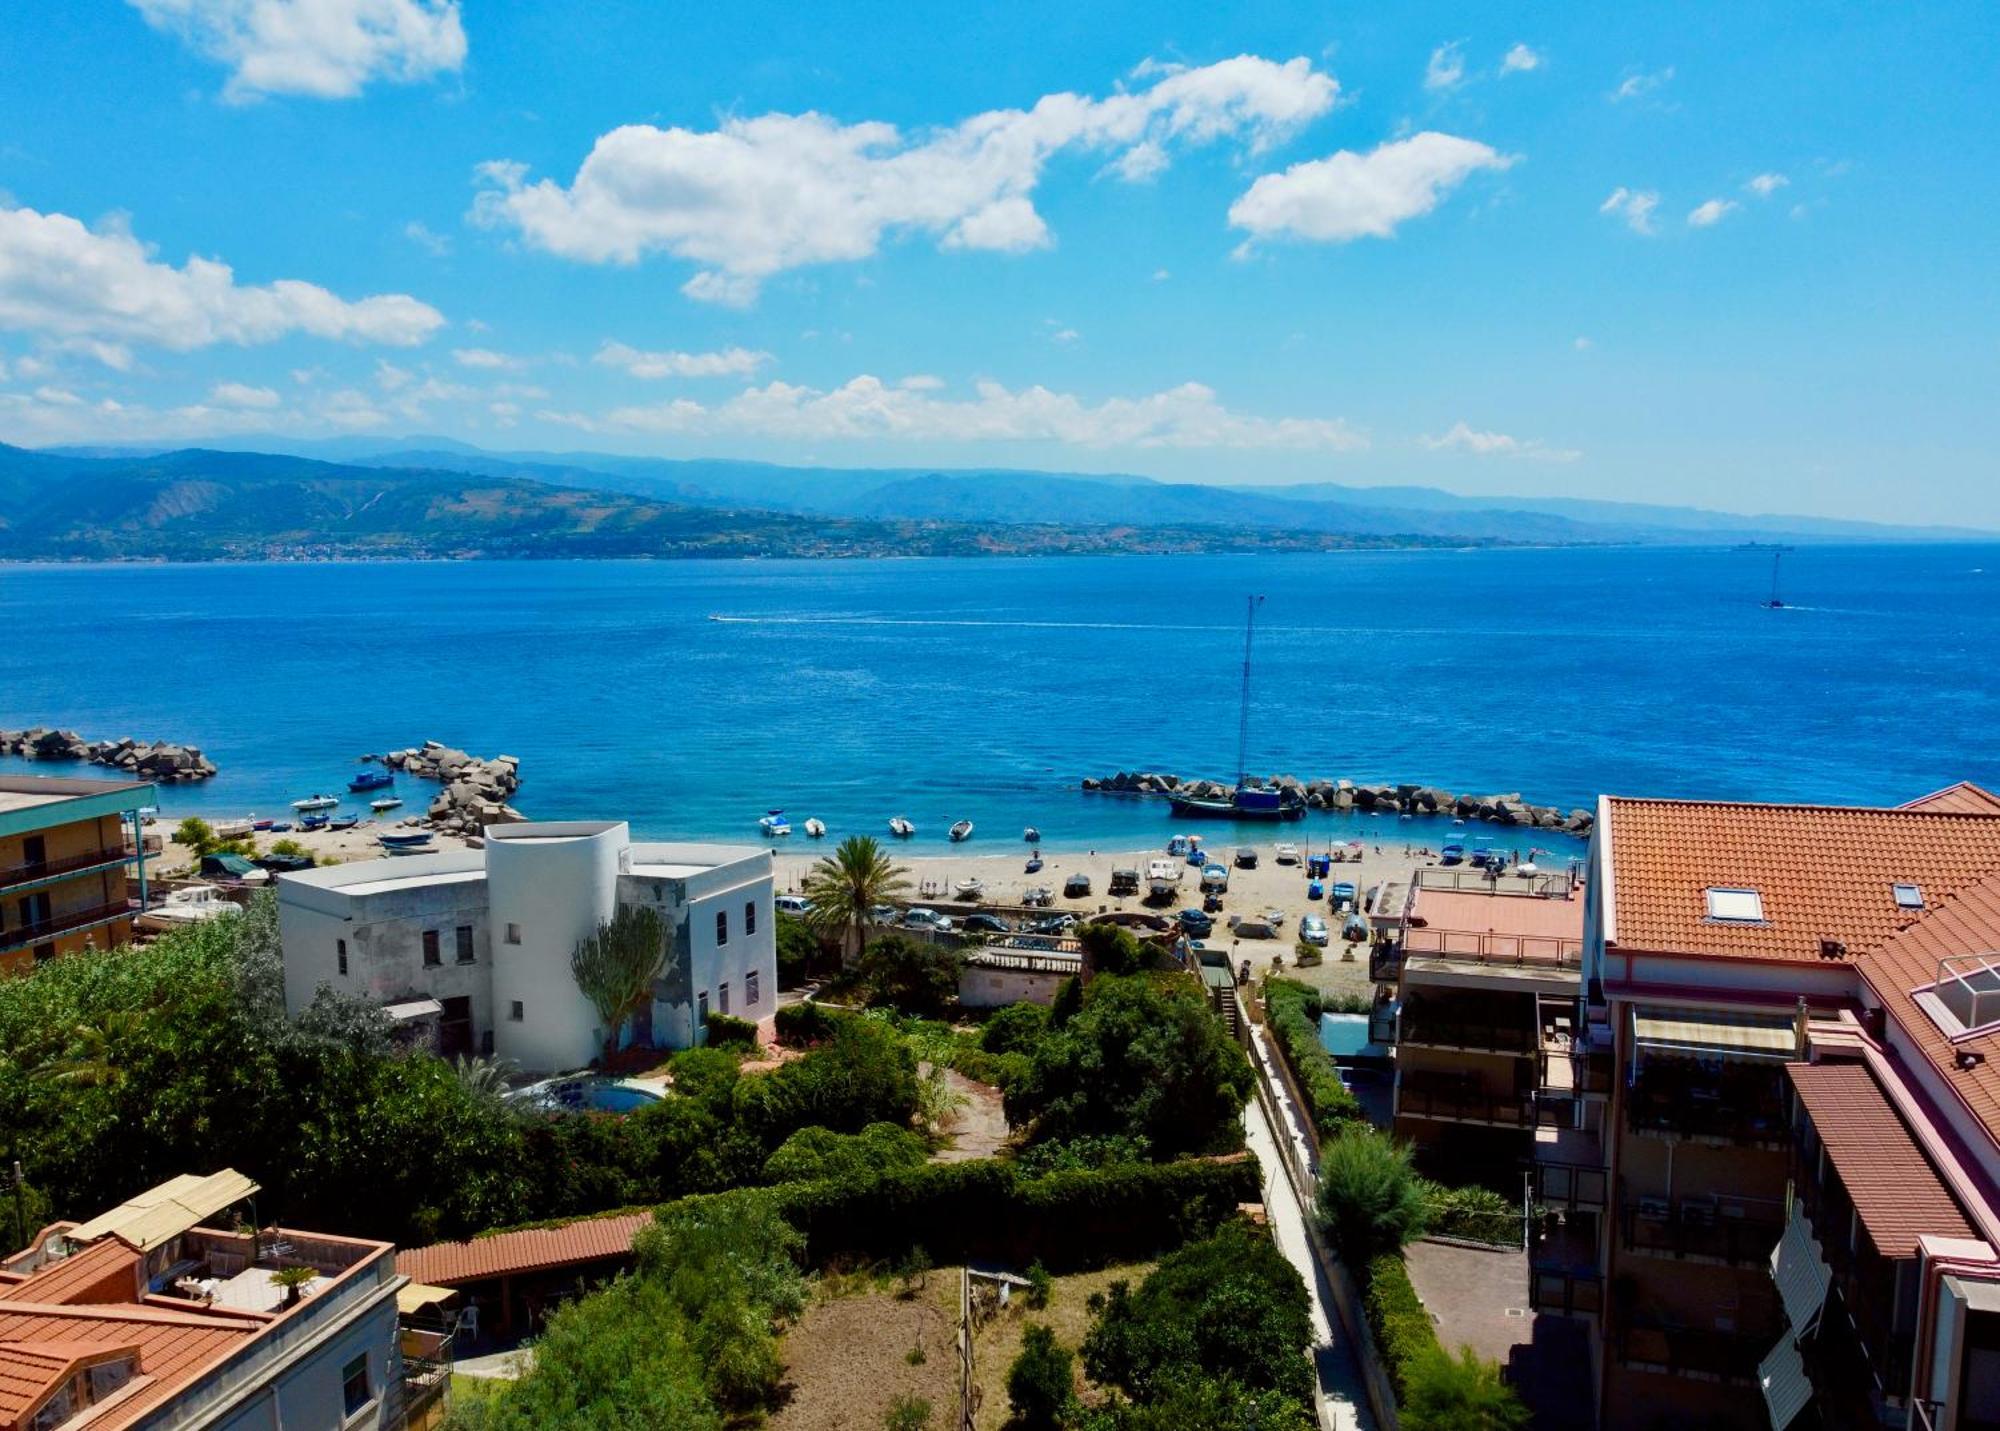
<point x="1243" y="716"/>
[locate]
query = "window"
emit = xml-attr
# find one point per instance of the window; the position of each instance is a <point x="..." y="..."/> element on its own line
<point x="465" y="943"/>
<point x="354" y="1392"/>
<point x="750" y="989"/>
<point x="513" y="934"/>
<point x="701" y="1012"/>
<point x="750" y="918"/>
<point x="340" y="950"/>
<point x="1735" y="906"/>
<point x="722" y="996"/>
<point x="1908" y="896"/>
<point x="721" y="926"/>
<point x="516" y="1012"/>
<point x="432" y="958"/>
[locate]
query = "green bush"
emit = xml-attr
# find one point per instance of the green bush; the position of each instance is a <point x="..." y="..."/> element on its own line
<point x="1113" y="949"/>
<point x="1461" y="1393"/>
<point x="804" y="1024"/>
<point x="1404" y="1332"/>
<point x="1081" y="1154"/>
<point x="912" y="976"/>
<point x="1292" y="1010"/>
<point x="820" y="1153"/>
<point x="1017" y="1028"/>
<point x="1041" y="1382"/>
<point x="1371" y="1200"/>
<point x="862" y="1075"/>
<point x="726" y="1031"/>
<point x="798" y="946"/>
<point x="1475" y="1213"/>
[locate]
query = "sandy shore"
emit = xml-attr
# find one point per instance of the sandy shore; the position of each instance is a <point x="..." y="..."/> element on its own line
<point x="326" y="846"/>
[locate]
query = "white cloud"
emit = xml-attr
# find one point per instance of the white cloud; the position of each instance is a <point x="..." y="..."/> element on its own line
<point x="758" y="196"/>
<point x="1160" y="275"/>
<point x="866" y="408"/>
<point x="506" y="413"/>
<point x="1463" y="438"/>
<point x="389" y="377"/>
<point x="1635" y="206"/>
<point x="1582" y="344"/>
<point x="351" y="408"/>
<point x="1638" y="86"/>
<point x="1520" y="60"/>
<point x="243" y="395"/>
<point x="1765" y="185"/>
<point x="57" y="397"/>
<point x="483" y="358"/>
<point x="70" y="283"/>
<point x="1446" y="67"/>
<point x="1059" y="333"/>
<point x="327" y="49"/>
<point x="1710" y="213"/>
<point x="424" y="237"/>
<point x="1348" y="195"/>
<point x="729" y="362"/>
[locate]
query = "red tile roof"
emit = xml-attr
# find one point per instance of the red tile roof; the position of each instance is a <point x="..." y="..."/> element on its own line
<point x="1823" y="872"/>
<point x="1964" y="798"/>
<point x="537" y="1249"/>
<point x="172" y="1345"/>
<point x="1896" y="1193"/>
<point x="105" y="1271"/>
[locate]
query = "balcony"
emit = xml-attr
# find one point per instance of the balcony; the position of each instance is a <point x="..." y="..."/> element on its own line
<point x="1733" y="1231"/>
<point x="1566" y="1292"/>
<point x="1448" y="1098"/>
<point x="1516" y="951"/>
<point x="1739" y="1103"/>
<point x="1432" y="1021"/>
<point x="25" y="936"/>
<point x="1571" y="1186"/>
<point x="1564" y="1068"/>
<point x="41" y="871"/>
<point x="1697" y="1353"/>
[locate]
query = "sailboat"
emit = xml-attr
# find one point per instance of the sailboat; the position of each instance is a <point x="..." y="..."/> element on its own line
<point x="1245" y="802"/>
<point x="1776" y="602"/>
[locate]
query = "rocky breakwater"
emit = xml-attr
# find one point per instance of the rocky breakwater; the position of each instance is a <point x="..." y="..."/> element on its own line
<point x="476" y="792"/>
<point x="1400" y="799"/>
<point x="160" y="761"/>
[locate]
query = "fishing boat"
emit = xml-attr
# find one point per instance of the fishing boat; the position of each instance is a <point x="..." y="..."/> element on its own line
<point x="316" y="802"/>
<point x="343" y="822"/>
<point x="313" y="822"/>
<point x="405" y="841"/>
<point x="388" y="802"/>
<point x="1034" y="864"/>
<point x="1032" y="835"/>
<point x="281" y="827"/>
<point x="1249" y="800"/>
<point x="191" y="904"/>
<point x="969" y="889"/>
<point x="774" y="825"/>
<point x="262" y="827"/>
<point x="899" y="827"/>
<point x="370" y="780"/>
<point x="961" y="831"/>
<point x="815" y="829"/>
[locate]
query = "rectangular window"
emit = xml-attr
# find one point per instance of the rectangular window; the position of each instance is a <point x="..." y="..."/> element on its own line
<point x="432" y="958"/>
<point x="354" y="1392"/>
<point x="516" y="1012"/>
<point x="513" y="934"/>
<point x="340" y="948"/>
<point x="721" y="926"/>
<point x="750" y="990"/>
<point x="722" y="996"/>
<point x="1735" y="906"/>
<point x="750" y="918"/>
<point x="701" y="1011"/>
<point x="465" y="943"/>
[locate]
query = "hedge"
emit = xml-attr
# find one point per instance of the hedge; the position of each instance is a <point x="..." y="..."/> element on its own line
<point x="1292" y="1009"/>
<point x="802" y="1024"/>
<point x="725" y="1031"/>
<point x="978" y="1211"/>
<point x="1404" y="1332"/>
<point x="1474" y="1213"/>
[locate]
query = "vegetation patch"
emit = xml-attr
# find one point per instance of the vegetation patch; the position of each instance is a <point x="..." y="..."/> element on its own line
<point x="1293" y="1010"/>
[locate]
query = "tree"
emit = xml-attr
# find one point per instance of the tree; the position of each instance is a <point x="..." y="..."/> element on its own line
<point x="1016" y="1028"/>
<point x="292" y="1281"/>
<point x="617" y="966"/>
<point x="846" y="886"/>
<point x="1371" y="1200"/>
<point x="486" y="1078"/>
<point x="1041" y="1382"/>
<point x="797" y="947"/>
<point x="195" y="833"/>
<point x="1113" y="949"/>
<point x="910" y="975"/>
<point x="1460" y="1393"/>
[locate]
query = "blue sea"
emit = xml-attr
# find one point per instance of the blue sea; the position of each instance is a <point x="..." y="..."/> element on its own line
<point x="689" y="697"/>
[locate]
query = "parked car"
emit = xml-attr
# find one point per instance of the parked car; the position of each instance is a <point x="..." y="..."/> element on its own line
<point x="1077" y="886"/>
<point x="1286" y="854"/>
<point x="983" y="923"/>
<point x="1193" y="921"/>
<point x="1312" y="929"/>
<point x="1053" y="924"/>
<point x="1246" y="858"/>
<point x="794" y="904"/>
<point x="920" y="918"/>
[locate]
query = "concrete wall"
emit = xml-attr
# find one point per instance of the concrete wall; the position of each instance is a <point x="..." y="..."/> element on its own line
<point x="306" y="1394"/>
<point x="740" y="891"/>
<point x="994" y="988"/>
<point x="549" y="885"/>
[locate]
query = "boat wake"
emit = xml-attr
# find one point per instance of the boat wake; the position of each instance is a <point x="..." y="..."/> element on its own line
<point x="952" y="621"/>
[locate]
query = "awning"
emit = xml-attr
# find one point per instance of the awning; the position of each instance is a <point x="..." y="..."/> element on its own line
<point x="1801" y="1274"/>
<point x="1704" y="1033"/>
<point x="165" y="1212"/>
<point x="416" y="1296"/>
<point x="1786" y="1387"/>
<point x="413" y="1009"/>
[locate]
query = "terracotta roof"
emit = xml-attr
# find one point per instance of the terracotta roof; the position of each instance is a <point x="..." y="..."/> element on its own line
<point x="1964" y="798"/>
<point x="172" y="1345"/>
<point x="536" y="1249"/>
<point x="105" y="1271"/>
<point x="1896" y="1193"/>
<point x="31" y="1372"/>
<point x="1823" y="872"/>
<point x="1967" y="922"/>
<point x="1464" y="911"/>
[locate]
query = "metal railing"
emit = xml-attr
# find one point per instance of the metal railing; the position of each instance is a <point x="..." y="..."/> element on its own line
<point x="1420" y="1025"/>
<point x="1462" y="1105"/>
<point x="1566" y="1291"/>
<point x="1736" y="1112"/>
<point x="21" y="936"/>
<point x="36" y="870"/>
<point x="1488" y="947"/>
<point x="1589" y="1071"/>
<point x="1736" y="1230"/>
<point x="1650" y="1344"/>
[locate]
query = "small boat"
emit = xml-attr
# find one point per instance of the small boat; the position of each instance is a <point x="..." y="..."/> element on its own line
<point x="961" y="831"/>
<point x="1034" y="865"/>
<point x="969" y="889"/>
<point x="774" y="825"/>
<point x="313" y="822"/>
<point x="387" y="802"/>
<point x="370" y="780"/>
<point x="281" y="827"/>
<point x="899" y="827"/>
<point x="316" y="802"/>
<point x="191" y="904"/>
<point x="345" y="822"/>
<point x="815" y="829"/>
<point x="263" y="827"/>
<point x="1032" y="835"/>
<point x="411" y="840"/>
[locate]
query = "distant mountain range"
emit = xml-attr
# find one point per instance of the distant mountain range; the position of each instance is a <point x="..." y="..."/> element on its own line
<point x="437" y="497"/>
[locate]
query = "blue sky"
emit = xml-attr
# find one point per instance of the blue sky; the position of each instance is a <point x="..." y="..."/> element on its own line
<point x="1728" y="255"/>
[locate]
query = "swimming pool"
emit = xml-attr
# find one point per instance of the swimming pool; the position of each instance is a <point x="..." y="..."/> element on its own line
<point x="585" y="1094"/>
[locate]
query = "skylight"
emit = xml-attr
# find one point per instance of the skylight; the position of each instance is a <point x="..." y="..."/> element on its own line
<point x="1735" y="906"/>
<point x="1966" y="997"/>
<point x="1908" y="896"/>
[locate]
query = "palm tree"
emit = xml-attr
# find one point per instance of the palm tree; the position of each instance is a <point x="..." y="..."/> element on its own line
<point x="616" y="967"/>
<point x="89" y="1057"/>
<point x="846" y="885"/>
<point x="485" y="1079"/>
<point x="292" y="1280"/>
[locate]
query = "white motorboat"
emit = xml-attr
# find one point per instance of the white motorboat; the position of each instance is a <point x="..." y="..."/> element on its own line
<point x="899" y="827"/>
<point x="193" y="904"/>
<point x="1163" y="877"/>
<point x="961" y="831"/>
<point x="387" y="802"/>
<point x="774" y="825"/>
<point x="815" y="829"/>
<point x="1032" y="835"/>
<point x="969" y="889"/>
<point x="316" y="802"/>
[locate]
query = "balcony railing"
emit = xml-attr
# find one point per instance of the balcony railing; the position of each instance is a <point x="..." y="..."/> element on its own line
<point x="1738" y="1231"/>
<point x="1570" y="1070"/>
<point x="22" y="936"/>
<point x="1646" y="1344"/>
<point x="1439" y="1029"/>
<point x="1460" y="1103"/>
<point x="1566" y="1291"/>
<point x="1487" y="947"/>
<point x="1664" y="1101"/>
<point x="1570" y="1185"/>
<point x="1385" y="962"/>
<point x="35" y="871"/>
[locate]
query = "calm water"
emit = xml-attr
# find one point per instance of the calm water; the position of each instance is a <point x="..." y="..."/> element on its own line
<point x="977" y="689"/>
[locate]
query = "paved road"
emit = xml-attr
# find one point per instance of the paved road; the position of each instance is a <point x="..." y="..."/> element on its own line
<point x="1343" y="1404"/>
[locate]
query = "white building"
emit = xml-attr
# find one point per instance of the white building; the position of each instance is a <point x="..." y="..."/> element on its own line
<point x="487" y="935"/>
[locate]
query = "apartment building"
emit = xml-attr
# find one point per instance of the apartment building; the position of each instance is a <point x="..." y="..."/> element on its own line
<point x="164" y="1312"/>
<point x="476" y="944"/>
<point x="72" y="866"/>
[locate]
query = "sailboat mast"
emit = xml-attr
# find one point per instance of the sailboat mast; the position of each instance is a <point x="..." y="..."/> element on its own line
<point x="1776" y="557"/>
<point x="1243" y="715"/>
